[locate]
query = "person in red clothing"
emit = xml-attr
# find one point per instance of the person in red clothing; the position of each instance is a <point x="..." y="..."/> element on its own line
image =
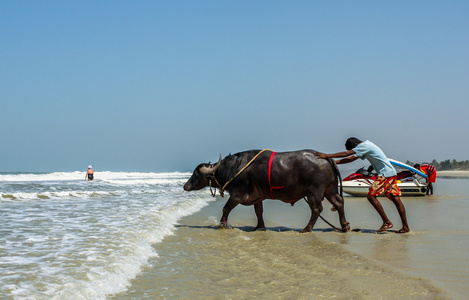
<point x="430" y="171"/>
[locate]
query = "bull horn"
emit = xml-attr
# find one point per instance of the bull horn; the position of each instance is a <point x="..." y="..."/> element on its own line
<point x="210" y="170"/>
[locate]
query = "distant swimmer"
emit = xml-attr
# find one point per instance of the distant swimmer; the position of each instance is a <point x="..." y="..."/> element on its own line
<point x="431" y="175"/>
<point x="89" y="173"/>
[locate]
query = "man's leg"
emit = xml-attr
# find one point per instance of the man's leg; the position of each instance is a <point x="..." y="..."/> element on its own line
<point x="379" y="208"/>
<point x="430" y="188"/>
<point x="401" y="209"/>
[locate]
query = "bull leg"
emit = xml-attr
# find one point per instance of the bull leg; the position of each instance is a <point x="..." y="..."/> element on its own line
<point x="230" y="204"/>
<point x="259" y="209"/>
<point x="314" y="202"/>
<point x="338" y="203"/>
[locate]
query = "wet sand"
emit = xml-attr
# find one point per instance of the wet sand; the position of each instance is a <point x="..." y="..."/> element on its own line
<point x="202" y="262"/>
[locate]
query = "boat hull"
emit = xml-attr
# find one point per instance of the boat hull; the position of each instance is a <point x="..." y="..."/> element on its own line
<point x="360" y="188"/>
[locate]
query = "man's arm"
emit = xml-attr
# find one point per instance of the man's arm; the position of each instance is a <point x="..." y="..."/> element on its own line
<point x="335" y="155"/>
<point x="346" y="160"/>
<point x="347" y="154"/>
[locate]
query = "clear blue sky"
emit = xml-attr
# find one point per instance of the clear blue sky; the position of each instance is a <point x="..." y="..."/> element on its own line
<point x="165" y="85"/>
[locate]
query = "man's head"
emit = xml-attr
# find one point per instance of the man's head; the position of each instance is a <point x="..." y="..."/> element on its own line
<point x="352" y="143"/>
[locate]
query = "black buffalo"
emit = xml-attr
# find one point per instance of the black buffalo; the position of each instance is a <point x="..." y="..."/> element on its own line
<point x="286" y="176"/>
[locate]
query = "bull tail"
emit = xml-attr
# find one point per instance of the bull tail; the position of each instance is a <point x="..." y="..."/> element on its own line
<point x="336" y="174"/>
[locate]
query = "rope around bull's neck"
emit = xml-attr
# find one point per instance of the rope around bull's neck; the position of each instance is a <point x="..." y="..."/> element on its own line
<point x="222" y="189"/>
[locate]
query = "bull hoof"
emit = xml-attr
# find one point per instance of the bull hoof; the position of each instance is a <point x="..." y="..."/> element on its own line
<point x="306" y="230"/>
<point x="224" y="226"/>
<point x="260" y="229"/>
<point x="346" y="227"/>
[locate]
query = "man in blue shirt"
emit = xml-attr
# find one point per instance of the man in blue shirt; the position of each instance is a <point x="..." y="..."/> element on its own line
<point x="386" y="182"/>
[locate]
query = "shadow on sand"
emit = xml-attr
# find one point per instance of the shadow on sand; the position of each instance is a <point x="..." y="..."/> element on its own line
<point x="282" y="229"/>
<point x="251" y="228"/>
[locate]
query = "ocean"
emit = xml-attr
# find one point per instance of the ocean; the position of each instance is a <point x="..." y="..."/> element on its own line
<point x="140" y="236"/>
<point x="62" y="237"/>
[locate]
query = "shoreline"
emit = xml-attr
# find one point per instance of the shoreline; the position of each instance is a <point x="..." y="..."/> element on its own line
<point x="241" y="263"/>
<point x="452" y="173"/>
<point x="199" y="261"/>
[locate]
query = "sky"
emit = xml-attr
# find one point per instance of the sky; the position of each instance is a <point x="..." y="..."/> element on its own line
<point x="161" y="86"/>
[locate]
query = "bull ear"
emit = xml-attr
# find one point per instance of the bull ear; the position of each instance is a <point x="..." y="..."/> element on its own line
<point x="210" y="170"/>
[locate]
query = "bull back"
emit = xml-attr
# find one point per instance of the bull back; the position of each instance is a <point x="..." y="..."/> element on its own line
<point x="290" y="175"/>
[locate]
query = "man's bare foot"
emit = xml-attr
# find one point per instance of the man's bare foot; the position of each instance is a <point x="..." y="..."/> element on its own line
<point x="403" y="230"/>
<point x="385" y="227"/>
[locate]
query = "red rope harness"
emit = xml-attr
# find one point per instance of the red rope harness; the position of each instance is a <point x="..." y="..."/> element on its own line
<point x="270" y="183"/>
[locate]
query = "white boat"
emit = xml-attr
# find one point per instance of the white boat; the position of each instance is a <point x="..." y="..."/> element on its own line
<point x="360" y="188"/>
<point x="409" y="182"/>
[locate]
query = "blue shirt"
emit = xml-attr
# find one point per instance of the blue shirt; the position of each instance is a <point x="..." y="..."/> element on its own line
<point x="376" y="157"/>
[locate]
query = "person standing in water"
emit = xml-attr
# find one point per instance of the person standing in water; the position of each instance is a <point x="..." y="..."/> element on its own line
<point x="430" y="171"/>
<point x="89" y="173"/>
<point x="386" y="182"/>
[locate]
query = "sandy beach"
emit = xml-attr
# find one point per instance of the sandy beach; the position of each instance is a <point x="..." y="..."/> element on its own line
<point x="452" y="173"/>
<point x="202" y="262"/>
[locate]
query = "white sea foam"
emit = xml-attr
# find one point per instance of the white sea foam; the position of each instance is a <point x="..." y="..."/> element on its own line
<point x="77" y="175"/>
<point x="5" y="196"/>
<point x="63" y="237"/>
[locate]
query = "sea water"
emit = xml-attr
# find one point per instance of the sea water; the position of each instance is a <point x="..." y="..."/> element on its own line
<point x="63" y="237"/>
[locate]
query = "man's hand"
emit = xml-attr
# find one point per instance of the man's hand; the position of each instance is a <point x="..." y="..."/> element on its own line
<point x="321" y="155"/>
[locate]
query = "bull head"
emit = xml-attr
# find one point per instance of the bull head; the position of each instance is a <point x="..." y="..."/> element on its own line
<point x="210" y="170"/>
